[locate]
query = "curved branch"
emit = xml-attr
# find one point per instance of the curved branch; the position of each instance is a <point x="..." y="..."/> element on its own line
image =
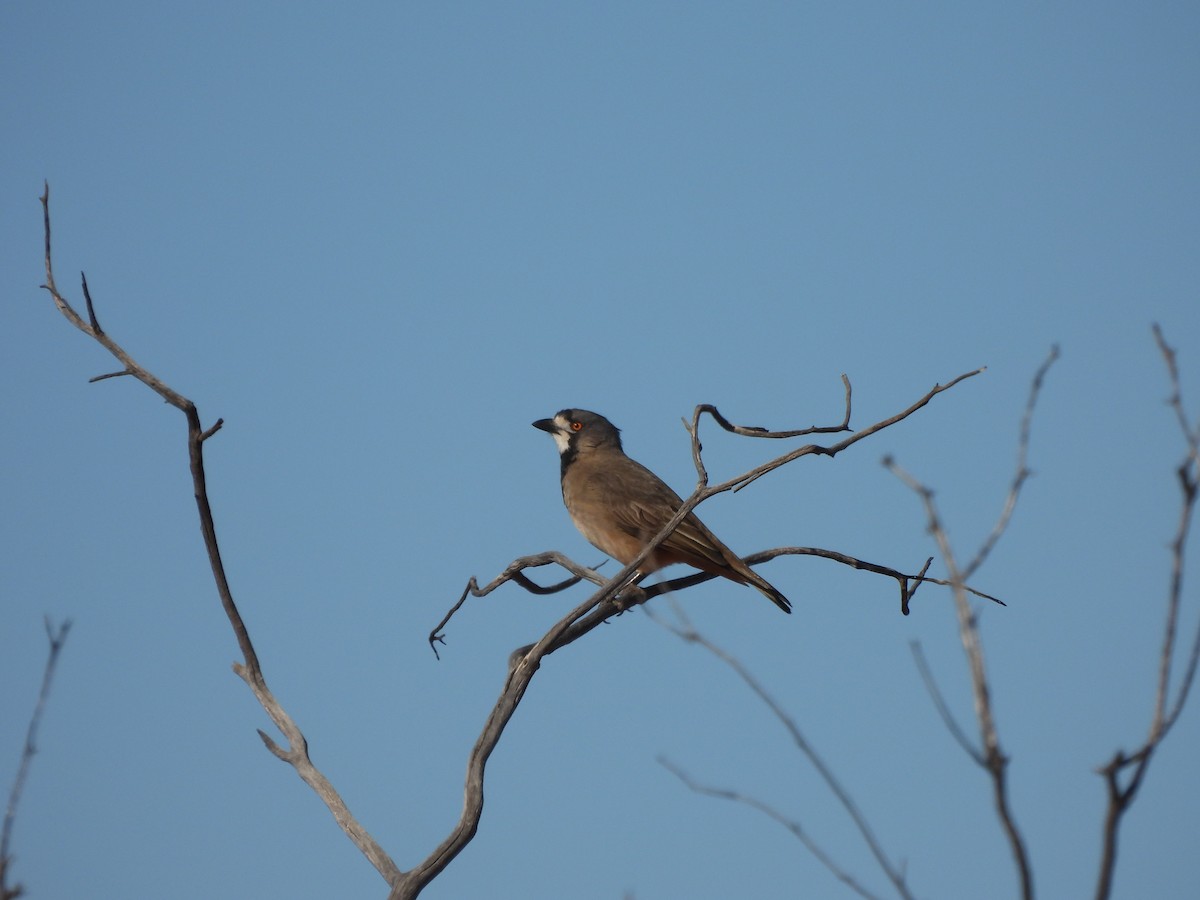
<point x="685" y="631"/>
<point x="771" y="812"/>
<point x="249" y="669"/>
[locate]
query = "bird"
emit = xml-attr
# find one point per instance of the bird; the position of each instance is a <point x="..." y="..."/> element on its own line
<point x="619" y="505"/>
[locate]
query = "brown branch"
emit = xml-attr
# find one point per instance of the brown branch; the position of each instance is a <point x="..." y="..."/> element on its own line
<point x="686" y="632"/>
<point x="57" y="637"/>
<point x="249" y="669"/>
<point x="1166" y="713"/>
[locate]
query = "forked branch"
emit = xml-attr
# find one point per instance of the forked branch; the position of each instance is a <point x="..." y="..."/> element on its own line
<point x="1123" y="774"/>
<point x="296" y="750"/>
<point x="990" y="755"/>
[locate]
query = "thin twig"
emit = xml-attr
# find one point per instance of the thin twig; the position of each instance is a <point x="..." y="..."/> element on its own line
<point x="685" y="631"/>
<point x="755" y="431"/>
<point x="940" y="702"/>
<point x="771" y="812"/>
<point x="514" y="571"/>
<point x="743" y="480"/>
<point x="57" y="637"/>
<point x="1022" y="472"/>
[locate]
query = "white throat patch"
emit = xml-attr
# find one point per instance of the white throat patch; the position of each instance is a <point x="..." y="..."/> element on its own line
<point x="561" y="434"/>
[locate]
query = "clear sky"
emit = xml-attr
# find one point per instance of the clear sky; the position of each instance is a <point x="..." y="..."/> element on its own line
<point x="380" y="239"/>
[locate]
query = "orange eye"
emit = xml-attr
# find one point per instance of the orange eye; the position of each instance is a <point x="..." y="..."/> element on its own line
<point x="575" y="426"/>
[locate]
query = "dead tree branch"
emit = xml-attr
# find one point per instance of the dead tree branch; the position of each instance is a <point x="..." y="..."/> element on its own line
<point x="249" y="670"/>
<point x="991" y="757"/>
<point x="771" y="812"/>
<point x="57" y="637"/>
<point x="613" y="597"/>
<point x="1123" y="774"/>
<point x="685" y="631"/>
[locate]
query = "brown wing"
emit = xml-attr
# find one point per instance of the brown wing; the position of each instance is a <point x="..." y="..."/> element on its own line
<point x="641" y="504"/>
<point x="620" y="505"/>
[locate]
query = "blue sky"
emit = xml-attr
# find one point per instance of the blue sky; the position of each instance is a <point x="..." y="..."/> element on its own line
<point x="380" y="240"/>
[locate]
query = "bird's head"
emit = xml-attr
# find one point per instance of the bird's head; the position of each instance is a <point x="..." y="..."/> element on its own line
<point x="579" y="431"/>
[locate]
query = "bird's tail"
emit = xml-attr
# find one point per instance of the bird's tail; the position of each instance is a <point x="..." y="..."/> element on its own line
<point x="774" y="596"/>
<point x="753" y="578"/>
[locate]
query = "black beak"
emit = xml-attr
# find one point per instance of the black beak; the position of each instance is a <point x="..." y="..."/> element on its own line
<point x="546" y="425"/>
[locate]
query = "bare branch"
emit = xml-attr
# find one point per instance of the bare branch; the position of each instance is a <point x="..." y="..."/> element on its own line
<point x="771" y="812"/>
<point x="57" y="637"/>
<point x="991" y="757"/>
<point x="908" y="583"/>
<point x="755" y="431"/>
<point x="940" y="702"/>
<point x="686" y="632"/>
<point x="514" y="571"/>
<point x="1187" y="475"/>
<point x="741" y="481"/>
<point x="249" y="670"/>
<point x="1166" y="712"/>
<point x="1022" y="473"/>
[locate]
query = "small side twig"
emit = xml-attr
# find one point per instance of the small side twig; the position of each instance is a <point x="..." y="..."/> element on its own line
<point x="514" y="571"/>
<point x="755" y="431"/>
<point x="57" y="637"/>
<point x="91" y="310"/>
